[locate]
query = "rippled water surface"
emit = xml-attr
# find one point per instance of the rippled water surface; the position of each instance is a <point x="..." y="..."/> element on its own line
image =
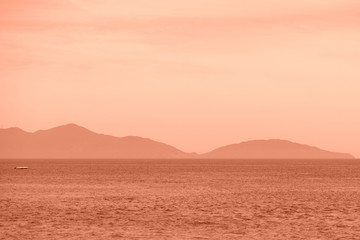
<point x="180" y="199"/>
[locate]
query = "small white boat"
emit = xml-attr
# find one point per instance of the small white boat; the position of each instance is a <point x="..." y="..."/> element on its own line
<point x="21" y="168"/>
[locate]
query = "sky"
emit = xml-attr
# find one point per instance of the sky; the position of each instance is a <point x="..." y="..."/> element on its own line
<point x="195" y="74"/>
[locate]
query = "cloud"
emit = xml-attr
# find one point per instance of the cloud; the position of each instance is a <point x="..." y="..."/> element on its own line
<point x="146" y="17"/>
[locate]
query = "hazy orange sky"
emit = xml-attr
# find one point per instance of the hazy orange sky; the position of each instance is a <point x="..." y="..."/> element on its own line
<point x="196" y="74"/>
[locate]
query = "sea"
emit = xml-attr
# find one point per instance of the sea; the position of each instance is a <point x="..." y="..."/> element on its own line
<point x="179" y="199"/>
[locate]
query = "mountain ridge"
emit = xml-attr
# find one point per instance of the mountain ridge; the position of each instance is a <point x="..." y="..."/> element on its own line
<point x="74" y="141"/>
<point x="276" y="148"/>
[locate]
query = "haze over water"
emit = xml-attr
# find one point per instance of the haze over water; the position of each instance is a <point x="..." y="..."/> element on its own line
<point x="180" y="199"/>
<point x="195" y="74"/>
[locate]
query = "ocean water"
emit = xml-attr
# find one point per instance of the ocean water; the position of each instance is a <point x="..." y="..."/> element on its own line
<point x="180" y="199"/>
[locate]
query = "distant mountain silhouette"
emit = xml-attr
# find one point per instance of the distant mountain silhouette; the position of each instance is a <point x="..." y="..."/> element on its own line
<point x="73" y="141"/>
<point x="273" y="148"/>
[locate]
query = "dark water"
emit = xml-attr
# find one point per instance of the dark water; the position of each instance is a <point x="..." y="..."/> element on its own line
<point x="180" y="199"/>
